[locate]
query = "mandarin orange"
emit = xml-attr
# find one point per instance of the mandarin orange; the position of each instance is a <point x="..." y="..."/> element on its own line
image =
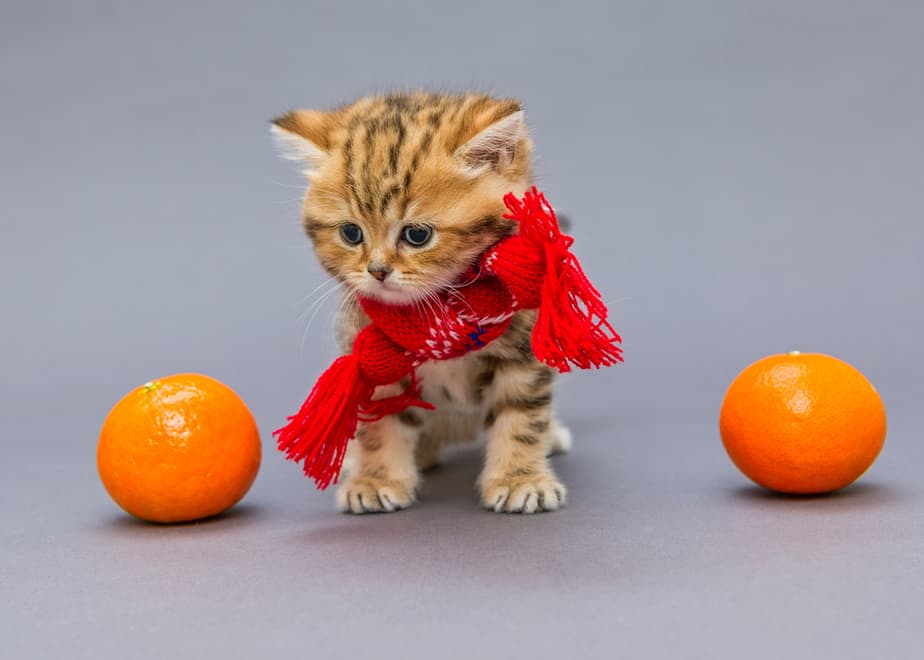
<point x="802" y="423"/>
<point x="179" y="448"/>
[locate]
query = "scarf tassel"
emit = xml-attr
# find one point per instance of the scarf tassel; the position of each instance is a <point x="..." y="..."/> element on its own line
<point x="571" y="325"/>
<point x="319" y="432"/>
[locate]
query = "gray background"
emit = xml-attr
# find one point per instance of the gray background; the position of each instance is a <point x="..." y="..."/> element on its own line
<point x="745" y="179"/>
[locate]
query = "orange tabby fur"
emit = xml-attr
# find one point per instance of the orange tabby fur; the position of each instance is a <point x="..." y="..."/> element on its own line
<point x="443" y="162"/>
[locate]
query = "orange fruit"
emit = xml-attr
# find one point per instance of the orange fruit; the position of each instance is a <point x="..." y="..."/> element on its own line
<point x="802" y="423"/>
<point x="178" y="448"/>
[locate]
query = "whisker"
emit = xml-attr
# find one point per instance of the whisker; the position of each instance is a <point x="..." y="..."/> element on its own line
<point x="458" y="296"/>
<point x="317" y="304"/>
<point x="317" y="308"/>
<point x="285" y="185"/>
<point x="316" y="289"/>
<point x="429" y="305"/>
<point x="432" y="295"/>
<point x="452" y="285"/>
<point x="423" y="305"/>
<point x="319" y="300"/>
<point x="347" y="306"/>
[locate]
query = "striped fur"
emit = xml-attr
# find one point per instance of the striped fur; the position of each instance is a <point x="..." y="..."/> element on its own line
<point x="443" y="162"/>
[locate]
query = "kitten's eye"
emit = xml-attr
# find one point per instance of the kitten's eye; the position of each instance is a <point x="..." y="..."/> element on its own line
<point x="417" y="235"/>
<point x="351" y="233"/>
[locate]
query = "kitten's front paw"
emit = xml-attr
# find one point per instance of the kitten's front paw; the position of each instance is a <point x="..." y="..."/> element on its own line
<point x="364" y="494"/>
<point x="524" y="494"/>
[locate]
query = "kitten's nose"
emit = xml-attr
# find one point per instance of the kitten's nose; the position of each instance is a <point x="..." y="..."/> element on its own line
<point x="379" y="271"/>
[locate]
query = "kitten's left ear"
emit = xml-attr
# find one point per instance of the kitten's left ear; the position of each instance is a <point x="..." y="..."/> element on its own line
<point x="495" y="146"/>
<point x="302" y="136"/>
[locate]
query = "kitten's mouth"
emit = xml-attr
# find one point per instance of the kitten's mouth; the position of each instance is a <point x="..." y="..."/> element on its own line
<point x="389" y="292"/>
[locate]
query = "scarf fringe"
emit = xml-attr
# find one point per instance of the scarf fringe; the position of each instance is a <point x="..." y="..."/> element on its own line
<point x="571" y="325"/>
<point x="319" y="432"/>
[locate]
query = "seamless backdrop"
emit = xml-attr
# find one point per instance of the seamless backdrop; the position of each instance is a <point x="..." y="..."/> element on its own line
<point x="744" y="178"/>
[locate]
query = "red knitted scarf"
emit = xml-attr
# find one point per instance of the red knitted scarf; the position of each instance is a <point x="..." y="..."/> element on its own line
<point x="532" y="269"/>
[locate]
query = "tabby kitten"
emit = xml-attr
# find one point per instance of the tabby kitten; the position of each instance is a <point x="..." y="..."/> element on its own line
<point x="405" y="192"/>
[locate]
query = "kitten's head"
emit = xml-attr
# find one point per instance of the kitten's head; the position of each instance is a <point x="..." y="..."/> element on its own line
<point x="406" y="190"/>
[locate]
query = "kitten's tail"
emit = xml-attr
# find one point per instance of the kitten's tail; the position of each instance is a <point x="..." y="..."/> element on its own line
<point x="564" y="222"/>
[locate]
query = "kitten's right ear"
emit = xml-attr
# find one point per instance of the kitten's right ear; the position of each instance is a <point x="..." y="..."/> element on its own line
<point x="302" y="136"/>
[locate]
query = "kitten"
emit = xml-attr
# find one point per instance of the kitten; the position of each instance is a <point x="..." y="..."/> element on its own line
<point x="405" y="192"/>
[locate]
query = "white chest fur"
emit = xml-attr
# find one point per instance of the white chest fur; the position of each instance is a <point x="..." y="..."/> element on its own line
<point x="451" y="383"/>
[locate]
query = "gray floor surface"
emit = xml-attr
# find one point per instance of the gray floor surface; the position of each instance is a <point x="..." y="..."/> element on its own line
<point x="745" y="178"/>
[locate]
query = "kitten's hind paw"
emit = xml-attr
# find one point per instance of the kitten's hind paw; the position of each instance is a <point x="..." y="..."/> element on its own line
<point x="524" y="494"/>
<point x="559" y="439"/>
<point x="364" y="494"/>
